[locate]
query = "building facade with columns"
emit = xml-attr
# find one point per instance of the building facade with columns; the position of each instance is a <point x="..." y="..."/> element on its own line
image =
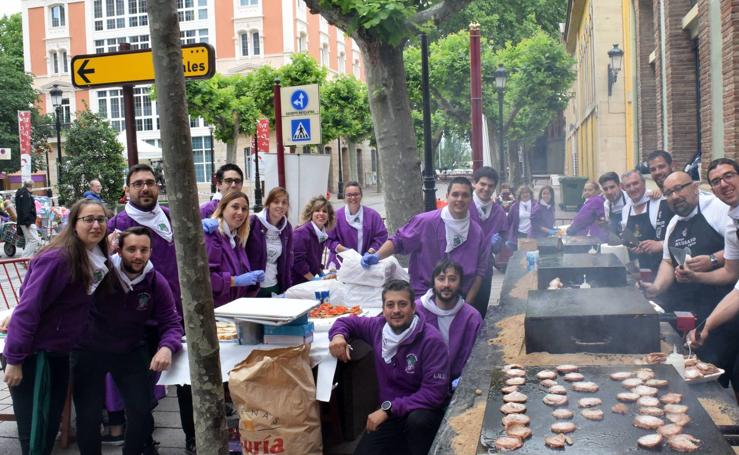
<point x="246" y="34"/>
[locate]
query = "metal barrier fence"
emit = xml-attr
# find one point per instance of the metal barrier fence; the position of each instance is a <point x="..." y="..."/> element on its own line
<point x="12" y="272"/>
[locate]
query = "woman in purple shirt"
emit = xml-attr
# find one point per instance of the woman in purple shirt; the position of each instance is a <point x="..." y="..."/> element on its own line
<point x="542" y="220"/>
<point x="51" y="316"/>
<point x="310" y="237"/>
<point x="230" y="271"/>
<point x="591" y="218"/>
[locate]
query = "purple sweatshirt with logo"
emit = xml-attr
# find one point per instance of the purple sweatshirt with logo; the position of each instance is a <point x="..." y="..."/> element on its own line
<point x="163" y="254"/>
<point x="374" y="233"/>
<point x="307" y="253"/>
<point x="462" y="334"/>
<point x="225" y="262"/>
<point x="256" y="250"/>
<point x="424" y="239"/>
<point x="417" y="377"/>
<point x="207" y="208"/>
<point x="118" y="318"/>
<point x="496" y="223"/>
<point x="590" y="219"/>
<point x="51" y="314"/>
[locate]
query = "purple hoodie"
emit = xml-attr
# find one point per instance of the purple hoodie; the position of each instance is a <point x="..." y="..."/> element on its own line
<point x="424" y="238"/>
<point x="256" y="250"/>
<point x="118" y="320"/>
<point x="225" y="262"/>
<point x="163" y="254"/>
<point x="496" y="223"/>
<point x="307" y="253"/>
<point x="542" y="217"/>
<point x="374" y="234"/>
<point x="417" y="377"/>
<point x="207" y="208"/>
<point x="590" y="219"/>
<point x="462" y="334"/>
<point x="52" y="313"/>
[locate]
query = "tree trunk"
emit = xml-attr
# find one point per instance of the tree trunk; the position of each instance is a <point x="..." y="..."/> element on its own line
<point x="179" y="170"/>
<point x="396" y="144"/>
<point x="231" y="145"/>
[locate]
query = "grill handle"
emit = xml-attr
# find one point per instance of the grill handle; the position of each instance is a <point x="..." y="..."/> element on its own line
<point x="591" y="343"/>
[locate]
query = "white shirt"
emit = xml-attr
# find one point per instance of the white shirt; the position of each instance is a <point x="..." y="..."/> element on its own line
<point x="617" y="206"/>
<point x="731" y="243"/>
<point x="713" y="210"/>
<point x="524" y="217"/>
<point x="629" y="209"/>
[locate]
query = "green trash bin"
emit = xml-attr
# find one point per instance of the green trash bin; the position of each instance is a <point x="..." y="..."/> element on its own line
<point x="571" y="190"/>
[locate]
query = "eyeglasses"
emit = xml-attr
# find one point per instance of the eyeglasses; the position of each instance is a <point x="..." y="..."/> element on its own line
<point x="726" y="177"/>
<point x="676" y="189"/>
<point x="89" y="219"/>
<point x="139" y="184"/>
<point x="352" y="195"/>
<point x="229" y="181"/>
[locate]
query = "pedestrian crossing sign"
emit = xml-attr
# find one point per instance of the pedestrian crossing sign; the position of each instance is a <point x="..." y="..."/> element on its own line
<point x="300" y="130"/>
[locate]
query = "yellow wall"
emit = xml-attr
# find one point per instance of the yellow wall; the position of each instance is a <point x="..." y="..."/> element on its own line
<point x="628" y="70"/>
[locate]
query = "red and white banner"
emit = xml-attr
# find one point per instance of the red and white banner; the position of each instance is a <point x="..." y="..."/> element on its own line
<point x="263" y="135"/>
<point x="24" y="131"/>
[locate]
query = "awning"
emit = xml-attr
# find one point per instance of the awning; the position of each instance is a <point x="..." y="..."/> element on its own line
<point x="146" y="150"/>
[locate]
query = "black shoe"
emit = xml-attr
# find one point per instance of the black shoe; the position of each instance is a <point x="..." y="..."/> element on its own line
<point x="109" y="440"/>
<point x="190" y="448"/>
<point x="151" y="448"/>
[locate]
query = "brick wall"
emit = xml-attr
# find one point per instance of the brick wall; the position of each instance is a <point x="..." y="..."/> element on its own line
<point x="730" y="60"/>
<point x="646" y="82"/>
<point x="704" y="56"/>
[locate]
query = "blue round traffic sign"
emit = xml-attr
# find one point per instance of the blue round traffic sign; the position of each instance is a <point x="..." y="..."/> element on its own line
<point x="299" y="100"/>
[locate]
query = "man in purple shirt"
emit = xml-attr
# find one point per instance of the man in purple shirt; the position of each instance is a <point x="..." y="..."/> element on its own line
<point x="447" y="232"/>
<point x="229" y="178"/>
<point x="457" y="321"/>
<point x="412" y="367"/>
<point x="492" y="219"/>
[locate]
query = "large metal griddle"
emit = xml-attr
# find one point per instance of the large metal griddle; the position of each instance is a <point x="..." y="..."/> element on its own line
<point x="615" y="434"/>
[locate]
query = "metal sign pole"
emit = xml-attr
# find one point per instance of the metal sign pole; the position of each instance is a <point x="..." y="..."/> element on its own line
<point x="278" y="134"/>
<point x="129" y="116"/>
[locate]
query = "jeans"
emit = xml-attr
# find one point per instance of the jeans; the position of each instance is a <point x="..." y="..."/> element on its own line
<point x="412" y="434"/>
<point x="133" y="378"/>
<point x="22" y="395"/>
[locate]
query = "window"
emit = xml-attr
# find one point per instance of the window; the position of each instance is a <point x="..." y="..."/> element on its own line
<point x="249" y="2"/>
<point x="54" y="63"/>
<point x="137" y="13"/>
<point x="115" y="11"/>
<point x="110" y="106"/>
<point x="65" y="66"/>
<point x="342" y="62"/>
<point x="203" y="35"/>
<point x="255" y="43"/>
<point x="202" y="9"/>
<point x="324" y="54"/>
<point x="186" y="10"/>
<point x="244" y="44"/>
<point x="143" y="110"/>
<point x="302" y="42"/>
<point x="66" y="112"/>
<point x="355" y="68"/>
<point x="57" y="16"/>
<point x="201" y="147"/>
<point x="139" y="42"/>
<point x="197" y="122"/>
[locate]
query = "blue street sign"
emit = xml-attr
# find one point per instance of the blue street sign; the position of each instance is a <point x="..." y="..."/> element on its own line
<point x="300" y="129"/>
<point x="299" y="100"/>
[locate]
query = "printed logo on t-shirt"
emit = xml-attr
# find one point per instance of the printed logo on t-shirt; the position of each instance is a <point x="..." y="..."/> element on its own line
<point x="162" y="227"/>
<point x="411" y="361"/>
<point x="143" y="303"/>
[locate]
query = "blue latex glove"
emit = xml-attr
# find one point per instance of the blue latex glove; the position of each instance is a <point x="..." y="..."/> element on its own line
<point x="455" y="384"/>
<point x="369" y="259"/>
<point x="495" y="239"/>
<point x="552" y="232"/>
<point x="510" y="244"/>
<point x="249" y="278"/>
<point x="209" y="225"/>
<point x="318" y="277"/>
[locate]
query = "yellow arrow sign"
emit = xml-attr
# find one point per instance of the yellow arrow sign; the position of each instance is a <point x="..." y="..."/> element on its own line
<point x="137" y="67"/>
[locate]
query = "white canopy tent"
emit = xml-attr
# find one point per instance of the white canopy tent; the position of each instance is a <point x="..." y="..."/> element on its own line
<point x="146" y="150"/>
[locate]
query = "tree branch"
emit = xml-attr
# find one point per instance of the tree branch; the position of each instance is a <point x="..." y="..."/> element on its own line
<point x="334" y="17"/>
<point x="439" y="11"/>
<point x="447" y="107"/>
<point x="511" y="118"/>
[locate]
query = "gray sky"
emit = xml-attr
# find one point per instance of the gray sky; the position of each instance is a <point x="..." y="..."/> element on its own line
<point x="9" y="7"/>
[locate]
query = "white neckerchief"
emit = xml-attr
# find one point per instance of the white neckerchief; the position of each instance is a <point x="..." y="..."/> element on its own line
<point x="644" y="199"/>
<point x="544" y="204"/>
<point x="484" y="209"/>
<point x="273" y="248"/>
<point x="391" y="340"/>
<point x="320" y="233"/>
<point x="227" y="232"/>
<point x="356" y="222"/>
<point x="734" y="212"/>
<point x="445" y="317"/>
<point x="127" y="282"/>
<point x="97" y="267"/>
<point x="262" y="217"/>
<point x="156" y="220"/>
<point x="456" y="229"/>
<point x="217" y="196"/>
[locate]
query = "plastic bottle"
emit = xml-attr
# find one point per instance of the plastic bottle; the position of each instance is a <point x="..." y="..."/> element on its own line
<point x="585" y="284"/>
<point x="677" y="361"/>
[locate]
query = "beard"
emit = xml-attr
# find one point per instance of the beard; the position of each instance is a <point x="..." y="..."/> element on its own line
<point x="128" y="269"/>
<point x="440" y="298"/>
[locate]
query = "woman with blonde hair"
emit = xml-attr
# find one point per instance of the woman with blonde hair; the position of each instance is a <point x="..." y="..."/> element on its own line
<point x="591" y="218"/>
<point x="270" y="243"/>
<point x="309" y="239"/>
<point x="230" y="271"/>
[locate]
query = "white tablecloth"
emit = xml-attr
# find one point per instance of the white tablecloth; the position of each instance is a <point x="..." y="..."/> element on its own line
<point x="233" y="353"/>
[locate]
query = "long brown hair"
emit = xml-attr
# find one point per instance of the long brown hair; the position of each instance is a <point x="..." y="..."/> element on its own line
<point x="243" y="231"/>
<point x="72" y="247"/>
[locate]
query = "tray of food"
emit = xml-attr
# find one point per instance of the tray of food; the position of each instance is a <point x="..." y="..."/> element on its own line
<point x="600" y="410"/>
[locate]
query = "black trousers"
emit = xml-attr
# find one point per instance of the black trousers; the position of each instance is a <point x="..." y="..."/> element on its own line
<point x="22" y="395"/>
<point x="482" y="300"/>
<point x="187" y="418"/>
<point x="412" y="434"/>
<point x="133" y="378"/>
<point x="722" y="349"/>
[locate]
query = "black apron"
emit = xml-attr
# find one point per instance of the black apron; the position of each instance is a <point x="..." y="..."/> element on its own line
<point x="642" y="229"/>
<point x="614" y="218"/>
<point x="664" y="215"/>
<point x="702" y="239"/>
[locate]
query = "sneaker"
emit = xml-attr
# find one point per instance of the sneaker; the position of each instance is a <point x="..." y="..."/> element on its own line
<point x="190" y="448"/>
<point x="110" y="440"/>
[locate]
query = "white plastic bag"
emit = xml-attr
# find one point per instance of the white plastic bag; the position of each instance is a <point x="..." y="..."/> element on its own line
<point x="352" y="272"/>
<point x="308" y="290"/>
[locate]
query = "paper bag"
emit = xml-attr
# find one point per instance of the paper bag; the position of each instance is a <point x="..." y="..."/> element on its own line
<point x="275" y="395"/>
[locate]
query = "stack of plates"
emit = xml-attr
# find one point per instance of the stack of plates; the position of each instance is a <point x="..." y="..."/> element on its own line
<point x="266" y="311"/>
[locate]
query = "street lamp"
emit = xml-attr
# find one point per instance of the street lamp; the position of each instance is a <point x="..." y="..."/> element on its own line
<point x="212" y="164"/>
<point x="56" y="101"/>
<point x="500" y="79"/>
<point x="615" y="55"/>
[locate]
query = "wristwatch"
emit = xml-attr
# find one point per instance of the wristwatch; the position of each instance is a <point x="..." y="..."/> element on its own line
<point x="714" y="261"/>
<point x="387" y="407"/>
